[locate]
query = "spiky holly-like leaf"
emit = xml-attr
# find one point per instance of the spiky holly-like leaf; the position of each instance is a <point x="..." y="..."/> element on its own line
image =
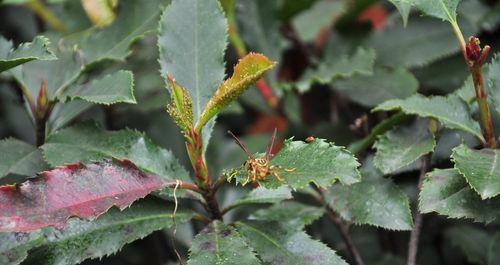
<point x="84" y="191"/>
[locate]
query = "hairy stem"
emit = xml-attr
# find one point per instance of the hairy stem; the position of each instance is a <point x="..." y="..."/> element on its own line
<point x="194" y="146"/>
<point x="415" y="233"/>
<point x="46" y="15"/>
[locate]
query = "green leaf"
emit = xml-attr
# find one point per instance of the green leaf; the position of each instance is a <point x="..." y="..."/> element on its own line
<point x="64" y="113"/>
<point x="423" y="41"/>
<point x="494" y="250"/>
<point x="493" y="86"/>
<point x="276" y="245"/>
<point x="471" y="240"/>
<point x="452" y="111"/>
<point x="248" y="70"/>
<point x="259" y="26"/>
<point x="480" y="169"/>
<point x="446" y="192"/>
<point x="300" y="163"/>
<point x="17" y="157"/>
<point x="383" y="85"/>
<point x="111" y="89"/>
<point x="58" y="74"/>
<point x="402" y="146"/>
<point x="81" y="240"/>
<point x="262" y="195"/>
<point x="197" y="29"/>
<point x="374" y="201"/>
<point x="135" y="19"/>
<point x="404" y="9"/>
<point x="15" y="246"/>
<point x="219" y="243"/>
<point x="321" y="15"/>
<point x="38" y="49"/>
<point x="361" y="62"/>
<point x="293" y="215"/>
<point x="86" y="142"/>
<point x="443" y="9"/>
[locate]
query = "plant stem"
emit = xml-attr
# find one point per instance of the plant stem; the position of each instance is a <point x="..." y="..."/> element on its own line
<point x="194" y="146"/>
<point x="343" y="228"/>
<point x="484" y="110"/>
<point x="40" y="125"/>
<point x="475" y="69"/>
<point x="415" y="233"/>
<point x="46" y="15"/>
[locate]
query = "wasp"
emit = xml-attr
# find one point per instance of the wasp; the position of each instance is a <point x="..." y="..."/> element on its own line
<point x="259" y="168"/>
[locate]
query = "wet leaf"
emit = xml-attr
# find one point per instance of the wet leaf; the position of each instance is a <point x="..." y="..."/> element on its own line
<point x="446" y="192"/>
<point x="300" y="163"/>
<point x="262" y="195"/>
<point x="219" y="243"/>
<point x="84" y="239"/>
<point x="293" y="215"/>
<point x="374" y="201"/>
<point x="402" y="146"/>
<point x="276" y="245"/>
<point x="480" y="169"/>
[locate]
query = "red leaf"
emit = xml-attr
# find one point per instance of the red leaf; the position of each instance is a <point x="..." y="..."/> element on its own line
<point x="83" y="191"/>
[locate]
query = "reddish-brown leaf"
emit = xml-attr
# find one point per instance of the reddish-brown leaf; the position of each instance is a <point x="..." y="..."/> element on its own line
<point x="84" y="191"/>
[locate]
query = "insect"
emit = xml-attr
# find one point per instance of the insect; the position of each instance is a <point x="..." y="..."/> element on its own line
<point x="259" y="168"/>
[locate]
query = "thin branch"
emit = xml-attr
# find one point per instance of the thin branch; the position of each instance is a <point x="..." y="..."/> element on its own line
<point x="46" y="15"/>
<point x="474" y="58"/>
<point x="415" y="233"/>
<point x="343" y="228"/>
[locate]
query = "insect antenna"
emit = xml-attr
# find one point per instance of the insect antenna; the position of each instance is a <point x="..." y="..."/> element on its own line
<point x="241" y="144"/>
<point x="271" y="145"/>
